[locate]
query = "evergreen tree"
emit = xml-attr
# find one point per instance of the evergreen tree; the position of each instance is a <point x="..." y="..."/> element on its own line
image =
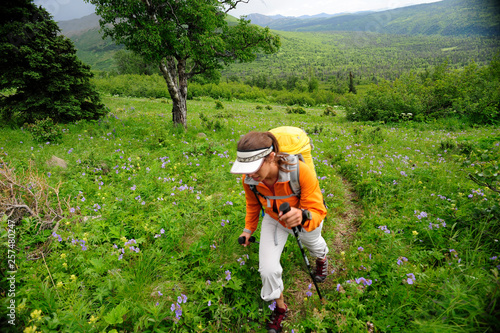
<point x="40" y="75"/>
<point x="352" y="88"/>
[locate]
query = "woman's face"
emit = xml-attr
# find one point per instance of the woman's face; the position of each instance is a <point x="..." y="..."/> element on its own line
<point x="266" y="170"/>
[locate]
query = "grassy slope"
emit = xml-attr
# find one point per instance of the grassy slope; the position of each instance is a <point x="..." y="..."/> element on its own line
<point x="131" y="165"/>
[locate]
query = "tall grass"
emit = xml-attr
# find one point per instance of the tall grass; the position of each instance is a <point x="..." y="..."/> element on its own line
<point x="147" y="240"/>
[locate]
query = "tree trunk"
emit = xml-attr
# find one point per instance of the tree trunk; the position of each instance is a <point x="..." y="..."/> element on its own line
<point x="175" y="75"/>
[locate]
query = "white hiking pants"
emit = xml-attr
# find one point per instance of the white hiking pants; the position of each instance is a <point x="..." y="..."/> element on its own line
<point x="273" y="237"/>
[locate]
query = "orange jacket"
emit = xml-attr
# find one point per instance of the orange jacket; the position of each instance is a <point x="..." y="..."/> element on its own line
<point x="311" y="198"/>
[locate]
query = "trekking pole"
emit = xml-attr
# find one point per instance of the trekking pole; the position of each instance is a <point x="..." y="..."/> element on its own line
<point x="251" y="239"/>
<point x="285" y="208"/>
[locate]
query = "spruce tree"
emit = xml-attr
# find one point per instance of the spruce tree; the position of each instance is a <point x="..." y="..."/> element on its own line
<point x="352" y="88"/>
<point x="40" y="74"/>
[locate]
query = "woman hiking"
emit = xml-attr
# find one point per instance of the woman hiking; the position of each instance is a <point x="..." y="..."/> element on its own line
<point x="266" y="181"/>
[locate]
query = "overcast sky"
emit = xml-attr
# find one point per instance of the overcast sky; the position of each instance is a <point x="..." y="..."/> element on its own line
<point x="63" y="10"/>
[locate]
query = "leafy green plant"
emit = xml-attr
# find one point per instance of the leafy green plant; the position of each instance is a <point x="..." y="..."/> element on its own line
<point x="295" y="110"/>
<point x="329" y="111"/>
<point x="219" y="105"/>
<point x="483" y="167"/>
<point x="45" y="130"/>
<point x="210" y="123"/>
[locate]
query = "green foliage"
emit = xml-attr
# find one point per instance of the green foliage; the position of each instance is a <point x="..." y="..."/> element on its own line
<point x="211" y="124"/>
<point x="115" y="316"/>
<point x="42" y="67"/>
<point x="129" y="63"/>
<point x="132" y="85"/>
<point x="219" y="105"/>
<point x="295" y="110"/>
<point x="483" y="166"/>
<point x="329" y="111"/>
<point x="352" y="88"/>
<point x="370" y="56"/>
<point x="150" y="216"/>
<point x="472" y="93"/>
<point x="45" y="130"/>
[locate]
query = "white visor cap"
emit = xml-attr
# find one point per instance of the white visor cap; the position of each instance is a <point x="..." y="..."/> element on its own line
<point x="247" y="162"/>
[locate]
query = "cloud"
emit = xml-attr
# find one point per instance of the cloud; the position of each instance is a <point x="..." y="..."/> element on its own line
<point x="63" y="10"/>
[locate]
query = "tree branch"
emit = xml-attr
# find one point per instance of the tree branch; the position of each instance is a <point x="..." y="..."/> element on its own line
<point x="480" y="183"/>
<point x="232" y="4"/>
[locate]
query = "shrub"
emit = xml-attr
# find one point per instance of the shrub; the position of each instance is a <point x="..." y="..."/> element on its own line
<point x="296" y="110"/>
<point x="329" y="111"/>
<point x="472" y="93"/>
<point x="210" y="123"/>
<point x="219" y="105"/>
<point x="44" y="130"/>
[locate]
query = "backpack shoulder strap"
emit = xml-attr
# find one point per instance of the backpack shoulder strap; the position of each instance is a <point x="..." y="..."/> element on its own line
<point x="295" y="173"/>
<point x="256" y="192"/>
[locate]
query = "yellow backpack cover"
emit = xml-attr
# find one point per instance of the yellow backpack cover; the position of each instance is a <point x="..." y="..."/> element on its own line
<point x="294" y="141"/>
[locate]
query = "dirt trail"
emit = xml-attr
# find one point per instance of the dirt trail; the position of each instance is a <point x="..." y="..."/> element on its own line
<point x="344" y="228"/>
<point x="346" y="224"/>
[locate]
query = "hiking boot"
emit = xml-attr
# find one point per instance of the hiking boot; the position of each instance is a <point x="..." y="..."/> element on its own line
<point x="275" y="324"/>
<point x="321" y="270"/>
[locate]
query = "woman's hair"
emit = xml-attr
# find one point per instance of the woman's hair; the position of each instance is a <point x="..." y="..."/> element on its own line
<point x="260" y="140"/>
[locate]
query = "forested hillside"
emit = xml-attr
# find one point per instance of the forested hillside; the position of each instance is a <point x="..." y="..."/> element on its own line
<point x="446" y="18"/>
<point x="330" y="57"/>
<point x="376" y="50"/>
<point x="95" y="51"/>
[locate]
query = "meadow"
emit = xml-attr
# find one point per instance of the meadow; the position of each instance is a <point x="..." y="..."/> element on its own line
<point x="138" y="232"/>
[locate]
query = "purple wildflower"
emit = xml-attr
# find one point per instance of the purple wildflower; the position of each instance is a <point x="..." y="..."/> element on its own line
<point x="411" y="278"/>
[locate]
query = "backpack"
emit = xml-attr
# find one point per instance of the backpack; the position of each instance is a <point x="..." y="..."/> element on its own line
<point x="295" y="142"/>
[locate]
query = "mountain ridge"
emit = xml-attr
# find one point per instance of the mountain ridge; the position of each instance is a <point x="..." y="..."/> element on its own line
<point x="447" y="18"/>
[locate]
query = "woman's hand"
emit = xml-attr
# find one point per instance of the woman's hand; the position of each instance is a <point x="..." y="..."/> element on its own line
<point x="293" y="218"/>
<point x="247" y="236"/>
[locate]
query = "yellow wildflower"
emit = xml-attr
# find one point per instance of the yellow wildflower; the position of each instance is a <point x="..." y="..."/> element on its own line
<point x="60" y="284"/>
<point x="73" y="277"/>
<point x="30" y="329"/>
<point x="415" y="232"/>
<point x="63" y="255"/>
<point x="93" y="319"/>
<point x="65" y="265"/>
<point x="36" y="315"/>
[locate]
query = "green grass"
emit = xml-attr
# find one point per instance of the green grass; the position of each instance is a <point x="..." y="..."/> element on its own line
<point x="139" y="175"/>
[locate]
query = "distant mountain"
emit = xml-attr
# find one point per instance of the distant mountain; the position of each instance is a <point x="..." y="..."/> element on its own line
<point x="447" y="18"/>
<point x="79" y="26"/>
